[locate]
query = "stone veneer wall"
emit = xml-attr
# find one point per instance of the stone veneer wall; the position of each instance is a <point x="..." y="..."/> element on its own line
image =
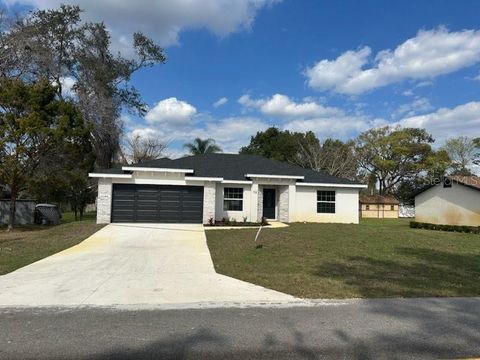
<point x="260" y="203"/>
<point x="209" y="190"/>
<point x="283" y="206"/>
<point x="104" y="201"/>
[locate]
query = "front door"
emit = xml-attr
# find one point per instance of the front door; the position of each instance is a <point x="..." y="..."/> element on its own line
<point x="269" y="203"/>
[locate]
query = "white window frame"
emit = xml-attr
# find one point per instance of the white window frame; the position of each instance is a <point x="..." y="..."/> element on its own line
<point x="231" y="198"/>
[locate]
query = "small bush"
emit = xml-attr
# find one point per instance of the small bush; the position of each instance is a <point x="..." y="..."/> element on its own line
<point x="456" y="228"/>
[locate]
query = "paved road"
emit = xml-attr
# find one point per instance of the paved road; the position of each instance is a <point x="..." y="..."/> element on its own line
<point x="127" y="264"/>
<point x="389" y="329"/>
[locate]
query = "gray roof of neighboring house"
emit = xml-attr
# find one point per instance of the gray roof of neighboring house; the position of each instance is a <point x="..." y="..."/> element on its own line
<point x="470" y="181"/>
<point x="235" y="167"/>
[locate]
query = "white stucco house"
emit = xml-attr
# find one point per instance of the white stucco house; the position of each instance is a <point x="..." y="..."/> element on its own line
<point x="453" y="201"/>
<point x="195" y="189"/>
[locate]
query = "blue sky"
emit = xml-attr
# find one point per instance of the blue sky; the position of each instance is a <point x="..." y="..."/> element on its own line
<point x="334" y="67"/>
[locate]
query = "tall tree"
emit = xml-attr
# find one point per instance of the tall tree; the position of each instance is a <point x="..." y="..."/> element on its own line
<point x="34" y="125"/>
<point x="57" y="45"/>
<point x="279" y="145"/>
<point x="394" y="154"/>
<point x="463" y="151"/>
<point x="138" y="149"/>
<point x="332" y="156"/>
<point x="202" y="146"/>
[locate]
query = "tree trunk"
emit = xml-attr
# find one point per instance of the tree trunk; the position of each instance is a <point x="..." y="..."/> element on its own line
<point x="13" y="211"/>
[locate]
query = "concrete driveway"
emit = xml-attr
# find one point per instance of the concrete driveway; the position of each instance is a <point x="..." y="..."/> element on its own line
<point x="132" y="265"/>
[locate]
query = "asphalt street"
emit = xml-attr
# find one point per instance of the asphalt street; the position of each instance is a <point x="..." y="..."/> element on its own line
<point x="356" y="329"/>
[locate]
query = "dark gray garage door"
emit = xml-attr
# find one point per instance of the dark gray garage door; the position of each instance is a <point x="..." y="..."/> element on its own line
<point x="157" y="203"/>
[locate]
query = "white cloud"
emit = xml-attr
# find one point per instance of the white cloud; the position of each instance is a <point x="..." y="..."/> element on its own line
<point x="229" y="133"/>
<point x="429" y="54"/>
<point x="282" y="106"/>
<point x="339" y="126"/>
<point x="146" y="132"/>
<point x="68" y="83"/>
<point x="220" y="102"/>
<point x="247" y="101"/>
<point x="309" y="115"/>
<point x="446" y="122"/>
<point x="171" y="111"/>
<point x="419" y="105"/>
<point x="163" y="20"/>
<point x="333" y="74"/>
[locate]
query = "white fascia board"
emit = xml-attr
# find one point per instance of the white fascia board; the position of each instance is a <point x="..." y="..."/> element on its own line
<point x="190" y="178"/>
<point x="153" y="169"/>
<point x="275" y="176"/>
<point x="114" y="176"/>
<point x="354" y="186"/>
<point x="248" y="182"/>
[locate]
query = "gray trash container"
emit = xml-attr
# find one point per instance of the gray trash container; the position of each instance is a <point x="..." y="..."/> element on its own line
<point x="47" y="214"/>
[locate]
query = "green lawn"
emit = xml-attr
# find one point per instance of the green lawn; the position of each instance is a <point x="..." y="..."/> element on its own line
<point x="27" y="244"/>
<point x="378" y="258"/>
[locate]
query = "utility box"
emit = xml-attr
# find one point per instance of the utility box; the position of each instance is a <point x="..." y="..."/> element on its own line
<point x="47" y="214"/>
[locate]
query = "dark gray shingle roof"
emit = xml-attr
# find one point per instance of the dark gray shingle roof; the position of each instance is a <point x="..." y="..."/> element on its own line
<point x="235" y="167"/>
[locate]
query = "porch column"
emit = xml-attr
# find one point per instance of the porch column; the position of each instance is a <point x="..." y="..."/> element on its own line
<point x="254" y="203"/>
<point x="104" y="201"/>
<point x="260" y="203"/>
<point x="283" y="203"/>
<point x="292" y="196"/>
<point x="209" y="192"/>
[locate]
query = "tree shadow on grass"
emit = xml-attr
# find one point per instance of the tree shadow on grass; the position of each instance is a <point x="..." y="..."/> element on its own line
<point x="416" y="273"/>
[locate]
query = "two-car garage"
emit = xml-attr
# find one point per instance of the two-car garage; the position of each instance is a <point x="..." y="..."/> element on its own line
<point x="157" y="203"/>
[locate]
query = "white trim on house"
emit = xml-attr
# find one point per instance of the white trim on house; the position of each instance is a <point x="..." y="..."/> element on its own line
<point x="248" y="182"/>
<point x="166" y="170"/>
<point x="275" y="176"/>
<point x="190" y="178"/>
<point x="114" y="176"/>
<point x="355" y="186"/>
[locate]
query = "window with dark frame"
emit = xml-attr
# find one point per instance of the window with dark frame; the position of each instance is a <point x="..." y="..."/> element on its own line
<point x="233" y="199"/>
<point x="392" y="207"/>
<point x="367" y="207"/>
<point x="326" y="202"/>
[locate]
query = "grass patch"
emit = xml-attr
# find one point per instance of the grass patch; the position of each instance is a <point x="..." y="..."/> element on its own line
<point x="30" y="243"/>
<point x="378" y="258"/>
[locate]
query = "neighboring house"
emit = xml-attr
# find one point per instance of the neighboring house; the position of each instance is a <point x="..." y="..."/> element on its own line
<point x="198" y="188"/>
<point x="453" y="201"/>
<point x="378" y="206"/>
